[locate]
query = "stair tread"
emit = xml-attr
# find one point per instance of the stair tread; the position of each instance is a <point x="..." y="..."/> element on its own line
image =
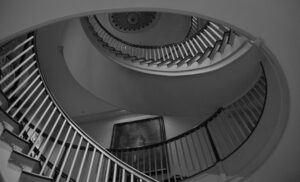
<point x="26" y="162"/>
<point x="11" y="138"/>
<point x="10" y="123"/>
<point x="32" y="177"/>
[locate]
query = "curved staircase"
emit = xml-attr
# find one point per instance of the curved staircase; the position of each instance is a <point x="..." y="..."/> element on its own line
<point x="208" y="46"/>
<point x="39" y="142"/>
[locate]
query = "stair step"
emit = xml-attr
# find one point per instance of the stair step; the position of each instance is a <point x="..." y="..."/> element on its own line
<point x="32" y="177"/>
<point x="9" y="123"/>
<point x="19" y="144"/>
<point x="25" y="162"/>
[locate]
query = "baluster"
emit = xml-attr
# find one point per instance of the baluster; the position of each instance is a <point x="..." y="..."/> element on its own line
<point x="107" y="170"/>
<point x="184" y="156"/>
<point x="154" y="53"/>
<point x="207" y="40"/>
<point x="210" y="35"/>
<point x="44" y="144"/>
<point x="21" y="85"/>
<point x="16" y="58"/>
<point x="212" y="144"/>
<point x="17" y="47"/>
<point x="25" y="101"/>
<point x="66" y="157"/>
<point x="39" y="121"/>
<point x="74" y="158"/>
<point x="165" y="156"/>
<point x="202" y="149"/>
<point x="35" y="113"/>
<point x="193" y="46"/>
<point x="215" y="32"/>
<point x="202" y="42"/>
<point x="115" y="172"/>
<point x="163" y="54"/>
<point x="7" y="87"/>
<point x="179" y="159"/>
<point x="155" y="162"/>
<point x="42" y="131"/>
<point x="167" y="53"/>
<point x="16" y="68"/>
<point x="180" y="51"/>
<point x="184" y="50"/>
<point x="131" y="177"/>
<point x="198" y="45"/>
<point x="52" y="148"/>
<point x="172" y="162"/>
<point x="204" y="135"/>
<point x="123" y="175"/>
<point x="99" y="167"/>
<point x="161" y="162"/>
<point x="195" y="149"/>
<point x="158" y="54"/>
<point x="189" y="150"/>
<point x="59" y="152"/>
<point x="149" y="160"/>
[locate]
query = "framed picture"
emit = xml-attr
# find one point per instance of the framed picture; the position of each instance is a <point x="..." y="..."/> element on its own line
<point x="138" y="133"/>
<point x="142" y="133"/>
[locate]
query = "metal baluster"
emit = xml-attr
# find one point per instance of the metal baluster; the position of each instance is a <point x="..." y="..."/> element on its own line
<point x="59" y="152"/>
<point x="21" y="85"/>
<point x="161" y="163"/>
<point x="17" y="47"/>
<point x="179" y="163"/>
<point x="107" y="170"/>
<point x="180" y="51"/>
<point x="74" y="158"/>
<point x="115" y="172"/>
<point x="16" y="58"/>
<point x="163" y="54"/>
<point x="31" y="105"/>
<point x="184" y="156"/>
<point x="34" y="114"/>
<point x="7" y="87"/>
<point x="155" y="162"/>
<point x="167" y="53"/>
<point x="158" y="54"/>
<point x="189" y="150"/>
<point x="16" y="68"/>
<point x="215" y="32"/>
<point x="99" y="167"/>
<point x="198" y="45"/>
<point x="42" y="131"/>
<point x="184" y="49"/>
<point x="149" y="160"/>
<point x="207" y="40"/>
<point x="172" y="160"/>
<point x="210" y="35"/>
<point x="131" y="177"/>
<point x="66" y="157"/>
<point x="202" y="149"/>
<point x="52" y="148"/>
<point x="123" y="175"/>
<point x="39" y="121"/>
<point x="43" y="147"/>
<point x="195" y="149"/>
<point x="191" y="44"/>
<point x="154" y="55"/>
<point x="202" y="42"/>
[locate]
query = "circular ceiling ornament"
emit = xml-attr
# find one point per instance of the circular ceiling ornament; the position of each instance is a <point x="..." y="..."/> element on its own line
<point x="132" y="21"/>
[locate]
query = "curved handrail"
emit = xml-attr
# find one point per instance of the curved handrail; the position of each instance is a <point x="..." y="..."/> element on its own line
<point x="249" y="109"/>
<point x="208" y="46"/>
<point x="33" y="107"/>
<point x="31" y="99"/>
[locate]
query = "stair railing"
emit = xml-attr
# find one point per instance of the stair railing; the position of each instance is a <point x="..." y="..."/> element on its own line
<point x="202" y="147"/>
<point x="39" y="119"/>
<point x="200" y="50"/>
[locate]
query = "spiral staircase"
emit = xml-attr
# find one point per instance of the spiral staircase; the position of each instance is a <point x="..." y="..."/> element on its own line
<point x="40" y="142"/>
